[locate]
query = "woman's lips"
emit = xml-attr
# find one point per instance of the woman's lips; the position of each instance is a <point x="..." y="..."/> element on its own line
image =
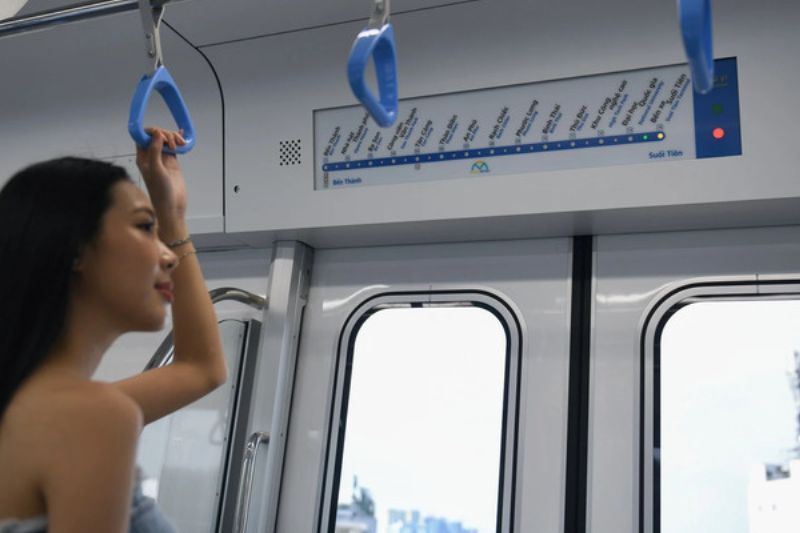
<point x="167" y="290"/>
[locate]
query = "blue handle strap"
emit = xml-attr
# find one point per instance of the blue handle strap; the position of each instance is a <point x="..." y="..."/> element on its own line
<point x="378" y="44"/>
<point x="162" y="82"/>
<point x="695" y="21"/>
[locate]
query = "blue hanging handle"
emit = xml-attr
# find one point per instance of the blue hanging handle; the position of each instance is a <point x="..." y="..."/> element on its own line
<point x="378" y="44"/>
<point x="695" y="21"/>
<point x="162" y="82"/>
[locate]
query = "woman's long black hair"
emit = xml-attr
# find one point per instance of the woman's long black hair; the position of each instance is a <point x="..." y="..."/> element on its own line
<point x="48" y="213"/>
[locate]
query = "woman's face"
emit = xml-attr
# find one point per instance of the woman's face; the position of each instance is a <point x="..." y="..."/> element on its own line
<point x="125" y="271"/>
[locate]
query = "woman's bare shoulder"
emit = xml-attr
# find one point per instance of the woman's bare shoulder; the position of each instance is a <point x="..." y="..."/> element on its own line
<point x="72" y="414"/>
<point x="72" y="408"/>
<point x="52" y="435"/>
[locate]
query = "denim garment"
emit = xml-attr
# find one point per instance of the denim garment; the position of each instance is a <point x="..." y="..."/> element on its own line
<point x="32" y="525"/>
<point x="146" y="517"/>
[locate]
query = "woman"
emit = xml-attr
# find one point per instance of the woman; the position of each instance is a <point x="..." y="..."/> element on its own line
<point x="85" y="256"/>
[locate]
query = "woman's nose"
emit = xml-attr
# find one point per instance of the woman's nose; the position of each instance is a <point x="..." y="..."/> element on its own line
<point x="169" y="260"/>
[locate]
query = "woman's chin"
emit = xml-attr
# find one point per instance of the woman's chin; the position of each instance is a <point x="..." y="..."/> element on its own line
<point x="155" y="322"/>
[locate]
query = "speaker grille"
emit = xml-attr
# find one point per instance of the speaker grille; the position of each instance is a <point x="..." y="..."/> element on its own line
<point x="290" y="153"/>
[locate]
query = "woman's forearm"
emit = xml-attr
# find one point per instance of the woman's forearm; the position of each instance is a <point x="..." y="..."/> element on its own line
<point x="195" y="327"/>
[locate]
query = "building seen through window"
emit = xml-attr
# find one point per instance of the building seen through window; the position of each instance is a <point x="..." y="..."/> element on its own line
<point x="728" y="419"/>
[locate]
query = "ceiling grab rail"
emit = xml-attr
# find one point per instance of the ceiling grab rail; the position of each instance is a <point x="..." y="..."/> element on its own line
<point x="42" y="20"/>
<point x="164" y="352"/>
<point x="376" y="41"/>
<point x="158" y="78"/>
<point x="696" y="29"/>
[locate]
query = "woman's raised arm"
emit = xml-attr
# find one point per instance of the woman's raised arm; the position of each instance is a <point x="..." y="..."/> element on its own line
<point x="198" y="365"/>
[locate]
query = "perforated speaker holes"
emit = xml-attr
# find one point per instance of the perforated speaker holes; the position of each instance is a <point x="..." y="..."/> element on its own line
<point x="290" y="153"/>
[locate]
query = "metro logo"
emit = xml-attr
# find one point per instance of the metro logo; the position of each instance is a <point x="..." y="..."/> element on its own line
<point x="479" y="167"/>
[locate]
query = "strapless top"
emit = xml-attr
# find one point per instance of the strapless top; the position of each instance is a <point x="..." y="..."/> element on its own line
<point x="146" y="517"/>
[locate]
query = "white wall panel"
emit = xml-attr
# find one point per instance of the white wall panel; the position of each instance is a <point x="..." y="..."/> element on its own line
<point x="273" y="84"/>
<point x="211" y="21"/>
<point x="630" y="273"/>
<point x="71" y="88"/>
<point x="532" y="277"/>
<point x="67" y="91"/>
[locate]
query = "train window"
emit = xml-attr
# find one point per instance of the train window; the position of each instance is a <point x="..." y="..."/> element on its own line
<point x="423" y="442"/>
<point x="727" y="455"/>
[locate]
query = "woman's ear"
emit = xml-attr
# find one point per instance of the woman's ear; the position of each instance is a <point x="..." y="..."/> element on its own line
<point x="77" y="263"/>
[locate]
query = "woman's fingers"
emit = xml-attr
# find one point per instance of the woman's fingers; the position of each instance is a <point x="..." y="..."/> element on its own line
<point x="178" y="138"/>
<point x="153" y="161"/>
<point x="172" y="139"/>
<point x="154" y="150"/>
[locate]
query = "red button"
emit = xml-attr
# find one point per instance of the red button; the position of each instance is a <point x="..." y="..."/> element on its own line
<point x="718" y="133"/>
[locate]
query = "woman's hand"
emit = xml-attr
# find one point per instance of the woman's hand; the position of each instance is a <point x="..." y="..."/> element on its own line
<point x="164" y="179"/>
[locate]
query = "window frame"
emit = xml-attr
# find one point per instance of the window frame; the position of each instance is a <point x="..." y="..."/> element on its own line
<point x="339" y="392"/>
<point x="664" y="305"/>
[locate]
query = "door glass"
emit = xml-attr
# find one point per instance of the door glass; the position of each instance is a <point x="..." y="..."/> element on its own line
<point x="727" y="419"/>
<point x="424" y="427"/>
<point x="182" y="456"/>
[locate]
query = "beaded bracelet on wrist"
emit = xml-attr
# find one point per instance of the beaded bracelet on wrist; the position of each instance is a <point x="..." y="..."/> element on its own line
<point x="185" y="254"/>
<point x="179" y="242"/>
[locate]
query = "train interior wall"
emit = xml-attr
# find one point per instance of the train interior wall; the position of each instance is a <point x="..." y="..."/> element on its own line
<point x="250" y="90"/>
<point x="254" y="74"/>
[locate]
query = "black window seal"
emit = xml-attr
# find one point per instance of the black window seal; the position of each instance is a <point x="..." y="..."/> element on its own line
<point x="353" y="323"/>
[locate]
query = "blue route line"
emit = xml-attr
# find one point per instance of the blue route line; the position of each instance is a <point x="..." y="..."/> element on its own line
<point x="496" y="151"/>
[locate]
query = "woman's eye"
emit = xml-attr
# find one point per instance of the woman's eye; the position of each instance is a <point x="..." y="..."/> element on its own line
<point x="147" y="226"/>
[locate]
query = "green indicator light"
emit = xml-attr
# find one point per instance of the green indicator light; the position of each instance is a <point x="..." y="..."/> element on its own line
<point x="644" y="137"/>
<point x="717" y="109"/>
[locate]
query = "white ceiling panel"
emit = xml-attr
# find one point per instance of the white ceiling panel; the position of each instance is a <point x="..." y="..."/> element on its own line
<point x="37" y="6"/>
<point x="73" y="94"/>
<point x="10" y="8"/>
<point x="206" y="22"/>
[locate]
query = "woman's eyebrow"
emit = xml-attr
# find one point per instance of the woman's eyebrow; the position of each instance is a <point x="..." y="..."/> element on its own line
<point x="146" y="210"/>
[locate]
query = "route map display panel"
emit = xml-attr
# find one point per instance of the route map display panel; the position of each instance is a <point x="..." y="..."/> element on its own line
<point x="640" y="116"/>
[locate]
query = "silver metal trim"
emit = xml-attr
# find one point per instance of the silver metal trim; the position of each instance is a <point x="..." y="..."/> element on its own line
<point x="151" y="23"/>
<point x="289" y="282"/>
<point x="68" y="15"/>
<point x="381" y="11"/>
<point x="164" y="352"/>
<point x="240" y="421"/>
<point x="246" y="482"/>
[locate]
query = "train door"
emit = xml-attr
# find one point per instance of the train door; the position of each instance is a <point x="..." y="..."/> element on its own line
<point x="429" y="390"/>
<point x="694" y="383"/>
<point x="189" y="460"/>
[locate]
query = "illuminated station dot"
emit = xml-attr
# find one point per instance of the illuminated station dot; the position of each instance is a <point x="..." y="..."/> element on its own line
<point x="718" y="133"/>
